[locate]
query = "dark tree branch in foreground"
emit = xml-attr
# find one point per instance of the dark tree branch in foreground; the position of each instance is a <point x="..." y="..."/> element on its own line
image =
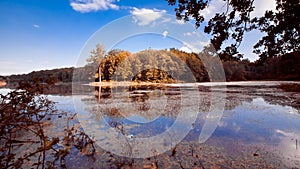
<point x="281" y="27"/>
<point x="24" y="142"/>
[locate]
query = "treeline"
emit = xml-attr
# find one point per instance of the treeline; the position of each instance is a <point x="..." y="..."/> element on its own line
<point x="62" y="75"/>
<point x="285" y="67"/>
<point x="166" y="66"/>
<point x="152" y="66"/>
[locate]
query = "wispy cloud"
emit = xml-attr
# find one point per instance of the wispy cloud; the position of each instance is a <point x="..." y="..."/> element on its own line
<point x="93" y="5"/>
<point x="146" y="16"/>
<point x="36" y="26"/>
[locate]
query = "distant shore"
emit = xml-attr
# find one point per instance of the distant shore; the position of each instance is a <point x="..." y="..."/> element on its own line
<point x="231" y="83"/>
<point x="124" y="83"/>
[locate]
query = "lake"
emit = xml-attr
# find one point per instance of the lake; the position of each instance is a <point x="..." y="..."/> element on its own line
<point x="201" y="125"/>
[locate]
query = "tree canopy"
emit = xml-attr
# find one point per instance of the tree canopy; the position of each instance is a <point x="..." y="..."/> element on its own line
<point x="280" y="27"/>
<point x="168" y="66"/>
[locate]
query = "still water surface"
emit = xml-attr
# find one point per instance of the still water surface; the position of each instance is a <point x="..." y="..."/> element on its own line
<point x="259" y="127"/>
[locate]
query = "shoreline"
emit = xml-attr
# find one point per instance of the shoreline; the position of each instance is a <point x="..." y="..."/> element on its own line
<point x="125" y="83"/>
<point x="230" y="83"/>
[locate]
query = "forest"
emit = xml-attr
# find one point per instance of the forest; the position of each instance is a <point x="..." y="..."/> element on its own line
<point x="286" y="67"/>
<point x="166" y="66"/>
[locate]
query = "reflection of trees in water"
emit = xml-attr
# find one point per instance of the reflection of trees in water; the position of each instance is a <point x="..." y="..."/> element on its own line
<point x="140" y="96"/>
<point x="61" y="89"/>
<point x="156" y="106"/>
<point x="140" y="100"/>
<point x="234" y="100"/>
<point x="289" y="100"/>
<point x="237" y="95"/>
<point x="103" y="92"/>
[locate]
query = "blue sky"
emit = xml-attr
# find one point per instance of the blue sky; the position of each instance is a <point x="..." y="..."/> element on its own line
<point x="36" y="35"/>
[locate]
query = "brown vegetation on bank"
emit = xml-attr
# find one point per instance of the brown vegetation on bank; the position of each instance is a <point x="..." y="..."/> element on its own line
<point x="286" y="67"/>
<point x="123" y="66"/>
<point x="290" y="87"/>
<point x="24" y="137"/>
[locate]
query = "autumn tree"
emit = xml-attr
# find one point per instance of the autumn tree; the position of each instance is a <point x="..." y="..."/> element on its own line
<point x="96" y="55"/>
<point x="93" y="62"/>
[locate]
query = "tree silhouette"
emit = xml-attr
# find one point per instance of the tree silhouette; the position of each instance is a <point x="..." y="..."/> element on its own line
<point x="281" y="27"/>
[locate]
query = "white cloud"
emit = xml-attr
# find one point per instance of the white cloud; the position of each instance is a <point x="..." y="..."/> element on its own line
<point x="165" y="20"/>
<point x="36" y="26"/>
<point x="220" y="6"/>
<point x="93" y="5"/>
<point x="203" y="43"/>
<point x="193" y="46"/>
<point x="180" y="22"/>
<point x="185" y="49"/>
<point x="262" y="6"/>
<point x="216" y="6"/>
<point x="187" y="34"/>
<point x="194" y="33"/>
<point x="165" y="33"/>
<point x="145" y="16"/>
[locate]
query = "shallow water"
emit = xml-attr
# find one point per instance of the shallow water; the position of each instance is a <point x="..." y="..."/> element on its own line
<point x="259" y="125"/>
